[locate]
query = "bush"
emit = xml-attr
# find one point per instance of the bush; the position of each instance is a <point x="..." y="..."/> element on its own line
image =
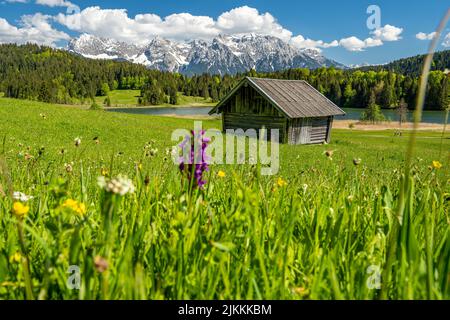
<point x="107" y="101"/>
<point x="95" y="106"/>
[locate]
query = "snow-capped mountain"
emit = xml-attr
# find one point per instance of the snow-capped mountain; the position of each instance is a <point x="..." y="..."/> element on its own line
<point x="224" y="54"/>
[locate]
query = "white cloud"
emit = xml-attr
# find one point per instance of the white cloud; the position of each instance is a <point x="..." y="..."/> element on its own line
<point x="246" y="20"/>
<point x="388" y="33"/>
<point x="115" y="23"/>
<point x="425" y="36"/>
<point x="49" y="3"/>
<point x="118" y="25"/>
<point x="55" y="3"/>
<point x="300" y="42"/>
<point x="355" y="44"/>
<point x="446" y="42"/>
<point x="33" y="28"/>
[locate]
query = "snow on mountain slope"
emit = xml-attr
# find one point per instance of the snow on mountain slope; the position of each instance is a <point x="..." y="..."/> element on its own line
<point x="222" y="55"/>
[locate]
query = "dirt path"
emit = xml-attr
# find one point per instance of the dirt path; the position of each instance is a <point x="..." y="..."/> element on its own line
<point x="345" y="124"/>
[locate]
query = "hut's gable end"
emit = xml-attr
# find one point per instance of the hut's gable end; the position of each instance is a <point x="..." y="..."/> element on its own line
<point x="248" y="109"/>
<point x="247" y="101"/>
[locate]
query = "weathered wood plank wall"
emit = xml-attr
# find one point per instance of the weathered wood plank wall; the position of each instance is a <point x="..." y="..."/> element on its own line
<point x="249" y="110"/>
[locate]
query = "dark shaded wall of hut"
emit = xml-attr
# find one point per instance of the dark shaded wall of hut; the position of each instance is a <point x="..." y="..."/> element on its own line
<point x="248" y="109"/>
<point x="309" y="130"/>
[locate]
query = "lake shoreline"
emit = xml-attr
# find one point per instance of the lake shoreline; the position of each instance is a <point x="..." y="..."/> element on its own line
<point x="392" y="125"/>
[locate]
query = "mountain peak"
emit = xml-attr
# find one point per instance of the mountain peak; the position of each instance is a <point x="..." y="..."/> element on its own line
<point x="224" y="54"/>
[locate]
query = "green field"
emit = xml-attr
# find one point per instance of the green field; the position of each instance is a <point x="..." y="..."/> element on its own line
<point x="320" y="236"/>
<point x="130" y="98"/>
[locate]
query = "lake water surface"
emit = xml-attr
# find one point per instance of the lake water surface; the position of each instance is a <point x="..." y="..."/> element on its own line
<point x="352" y="114"/>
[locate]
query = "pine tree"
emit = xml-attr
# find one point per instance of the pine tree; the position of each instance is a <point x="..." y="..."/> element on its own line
<point x="402" y="111"/>
<point x="373" y="111"/>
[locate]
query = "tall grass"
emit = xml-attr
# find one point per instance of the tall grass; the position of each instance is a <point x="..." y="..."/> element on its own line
<point x="402" y="239"/>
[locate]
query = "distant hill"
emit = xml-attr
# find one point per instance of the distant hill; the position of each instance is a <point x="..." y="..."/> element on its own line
<point x="413" y="65"/>
<point x="59" y="76"/>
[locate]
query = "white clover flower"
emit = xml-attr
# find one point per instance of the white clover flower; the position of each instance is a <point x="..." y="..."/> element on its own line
<point x="22" y="197"/>
<point x="68" y="167"/>
<point x="305" y="187"/>
<point x="153" y="152"/>
<point x="120" y="185"/>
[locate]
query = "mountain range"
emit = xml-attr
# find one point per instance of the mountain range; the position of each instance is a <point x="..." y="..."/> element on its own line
<point x="222" y="55"/>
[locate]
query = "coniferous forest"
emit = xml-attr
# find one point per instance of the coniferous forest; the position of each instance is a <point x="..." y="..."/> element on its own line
<point x="50" y="75"/>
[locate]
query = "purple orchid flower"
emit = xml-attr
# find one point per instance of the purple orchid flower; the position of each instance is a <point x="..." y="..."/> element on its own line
<point x="196" y="162"/>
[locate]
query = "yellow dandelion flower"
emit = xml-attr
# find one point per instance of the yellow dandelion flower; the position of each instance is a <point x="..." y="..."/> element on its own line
<point x="77" y="207"/>
<point x="437" y="165"/>
<point x="104" y="172"/>
<point x="221" y="174"/>
<point x="19" y="209"/>
<point x="15" y="258"/>
<point x="281" y="182"/>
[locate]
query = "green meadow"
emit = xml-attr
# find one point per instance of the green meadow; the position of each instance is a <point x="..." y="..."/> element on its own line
<point x="334" y="223"/>
<point x="121" y="98"/>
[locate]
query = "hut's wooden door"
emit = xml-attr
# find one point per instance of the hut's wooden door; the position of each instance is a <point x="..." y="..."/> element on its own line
<point x="305" y="132"/>
<point x="319" y="130"/>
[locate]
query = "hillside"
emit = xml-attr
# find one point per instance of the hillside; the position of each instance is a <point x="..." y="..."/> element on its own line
<point x="57" y="76"/>
<point x="413" y="65"/>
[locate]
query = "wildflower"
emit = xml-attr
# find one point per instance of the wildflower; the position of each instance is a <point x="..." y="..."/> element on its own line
<point x="138" y="166"/>
<point x="329" y="154"/>
<point x="104" y="172"/>
<point x="221" y="174"/>
<point x="305" y="187"/>
<point x="68" y="167"/>
<point x="101" y="264"/>
<point x="78" y="207"/>
<point x="301" y="291"/>
<point x="120" y="185"/>
<point x="281" y="183"/>
<point x="19" y="209"/>
<point x="77" y="142"/>
<point x="153" y="152"/>
<point x="196" y="164"/>
<point x="15" y="258"/>
<point x="357" y="161"/>
<point x="436" y="165"/>
<point x="28" y="156"/>
<point x="22" y="197"/>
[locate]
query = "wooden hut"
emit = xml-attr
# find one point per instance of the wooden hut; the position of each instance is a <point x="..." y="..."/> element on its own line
<point x="301" y="113"/>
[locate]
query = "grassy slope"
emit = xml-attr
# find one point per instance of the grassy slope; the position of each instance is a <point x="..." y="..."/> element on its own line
<point x="21" y="122"/>
<point x="286" y="242"/>
<point x="130" y="97"/>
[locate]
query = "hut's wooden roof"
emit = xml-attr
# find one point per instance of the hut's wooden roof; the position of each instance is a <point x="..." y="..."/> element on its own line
<point x="294" y="98"/>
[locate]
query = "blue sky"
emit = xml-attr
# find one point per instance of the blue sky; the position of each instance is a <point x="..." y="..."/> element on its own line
<point x="338" y="28"/>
